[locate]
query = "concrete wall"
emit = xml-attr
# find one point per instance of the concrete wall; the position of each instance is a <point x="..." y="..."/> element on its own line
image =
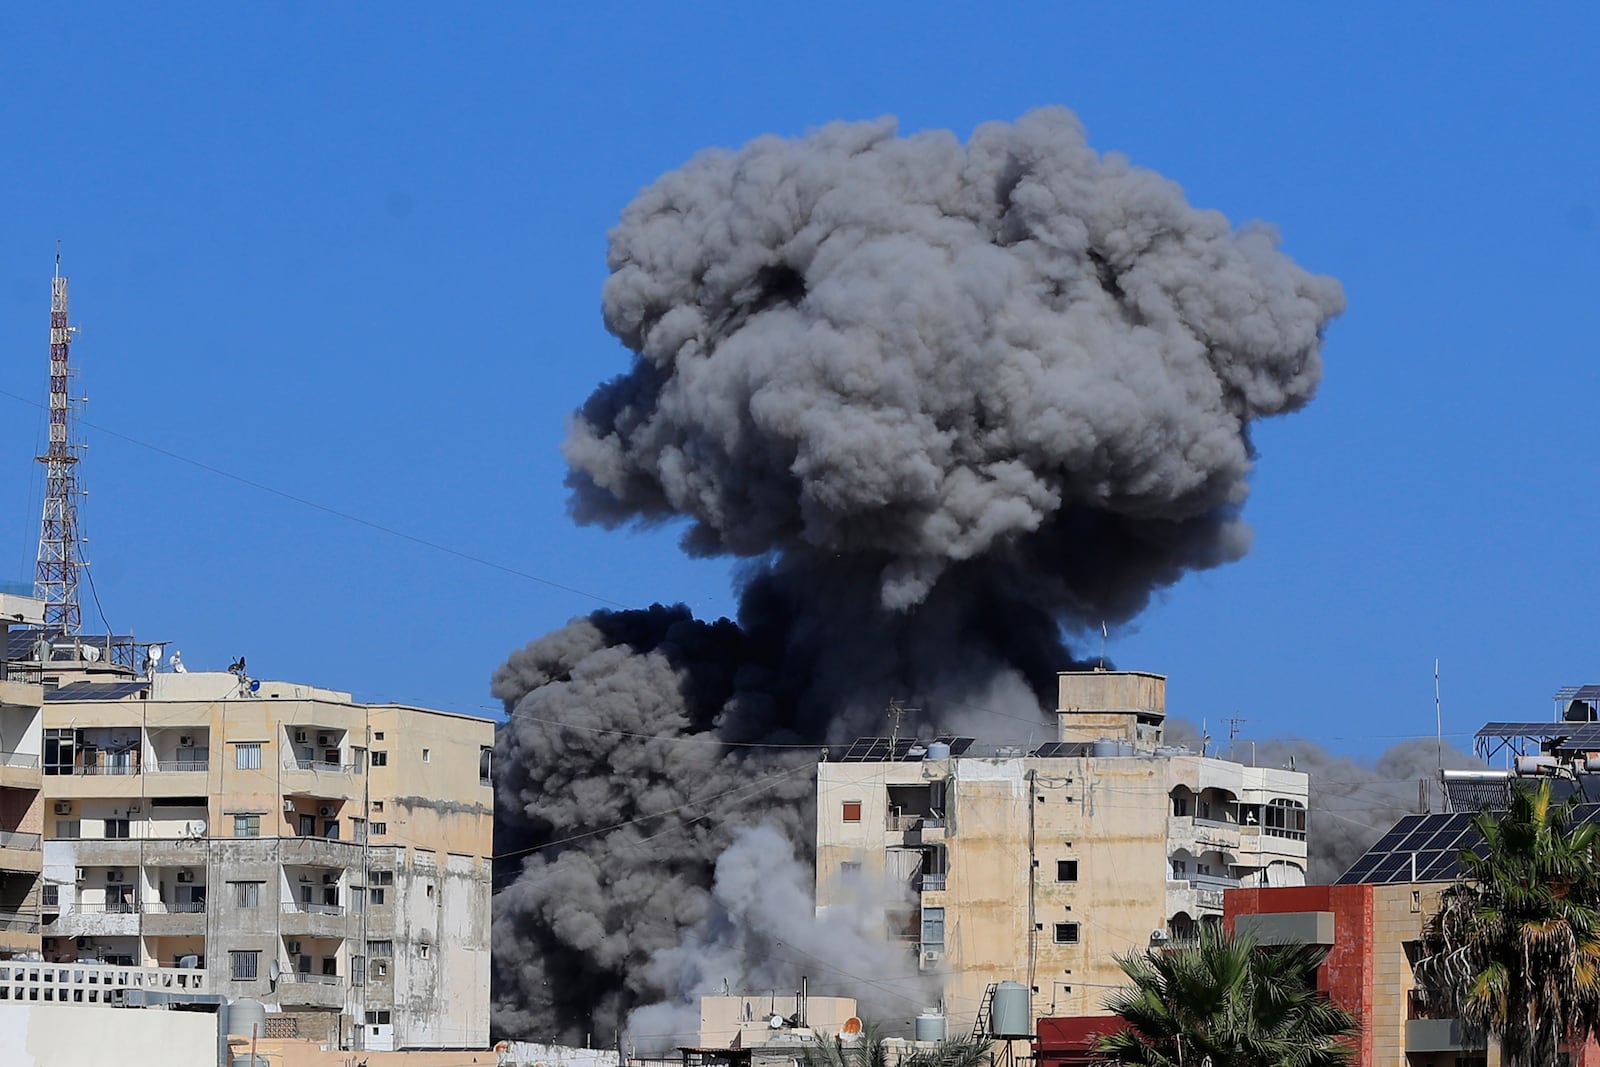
<point x="60" y="1035"/>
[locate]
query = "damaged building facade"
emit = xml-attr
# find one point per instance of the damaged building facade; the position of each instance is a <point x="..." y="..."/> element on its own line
<point x="1039" y="865"/>
<point x="209" y="833"/>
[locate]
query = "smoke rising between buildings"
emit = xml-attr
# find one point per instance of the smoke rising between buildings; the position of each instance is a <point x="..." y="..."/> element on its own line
<point x="949" y="402"/>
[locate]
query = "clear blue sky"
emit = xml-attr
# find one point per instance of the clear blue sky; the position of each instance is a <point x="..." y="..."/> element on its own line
<point x="354" y="252"/>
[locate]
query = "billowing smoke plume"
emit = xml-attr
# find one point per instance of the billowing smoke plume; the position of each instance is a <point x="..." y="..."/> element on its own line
<point x="947" y="400"/>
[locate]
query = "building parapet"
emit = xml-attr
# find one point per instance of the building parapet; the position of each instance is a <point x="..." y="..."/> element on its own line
<point x="87" y="983"/>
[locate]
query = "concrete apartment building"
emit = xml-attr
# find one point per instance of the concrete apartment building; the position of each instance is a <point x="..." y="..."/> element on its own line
<point x="21" y="808"/>
<point x="1040" y="866"/>
<point x="208" y="833"/>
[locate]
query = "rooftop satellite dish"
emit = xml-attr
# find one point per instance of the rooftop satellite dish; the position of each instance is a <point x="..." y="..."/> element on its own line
<point x="776" y="1022"/>
<point x="852" y="1025"/>
<point x="255" y="685"/>
<point x="177" y="663"/>
<point x="155" y="653"/>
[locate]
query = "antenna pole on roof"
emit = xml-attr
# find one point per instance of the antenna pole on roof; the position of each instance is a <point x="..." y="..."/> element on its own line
<point x="1438" y="720"/>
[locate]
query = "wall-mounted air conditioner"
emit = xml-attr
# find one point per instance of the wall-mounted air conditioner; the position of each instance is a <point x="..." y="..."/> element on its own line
<point x="63" y="807"/>
<point x="294" y="948"/>
<point x="299" y="737"/>
<point x="928" y="958"/>
<point x="1158" y="935"/>
<point x="185" y="876"/>
<point x="288" y="807"/>
<point x="186" y="741"/>
<point x="113" y="876"/>
<point x="330" y="879"/>
<point x="324" y="811"/>
<point x="78" y="875"/>
<point x="324" y="740"/>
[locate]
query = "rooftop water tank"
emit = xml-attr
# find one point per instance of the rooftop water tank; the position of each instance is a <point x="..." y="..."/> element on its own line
<point x="938" y="750"/>
<point x="930" y="1026"/>
<point x="1008" y="1015"/>
<point x="242" y="1014"/>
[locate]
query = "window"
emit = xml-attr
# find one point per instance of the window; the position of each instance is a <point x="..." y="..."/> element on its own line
<point x="1202" y="809"/>
<point x="308" y="826"/>
<point x="379" y="829"/>
<point x="377" y="805"/>
<point x="377" y="1018"/>
<point x="1180" y="806"/>
<point x="1066" y="870"/>
<point x="426" y="755"/>
<point x="378" y="736"/>
<point x="380" y="968"/>
<point x="330" y="966"/>
<point x="1202" y="869"/>
<point x="848" y="869"/>
<point x="852" y="811"/>
<point x="1180" y="870"/>
<point x="358" y="970"/>
<point x="1066" y="933"/>
<point x="380" y="950"/>
<point x="59" y="747"/>
<point x="358" y="830"/>
<point x="485" y="765"/>
<point x="244" y="966"/>
<point x="247" y="826"/>
<point x="52" y="896"/>
<point x="247" y="757"/>
<point x="330" y="829"/>
<point x="1286" y="818"/>
<point x="246" y="894"/>
<point x="116" y="828"/>
<point x="932" y="927"/>
<point x="358" y="899"/>
<point x="380" y="758"/>
<point x="68" y="829"/>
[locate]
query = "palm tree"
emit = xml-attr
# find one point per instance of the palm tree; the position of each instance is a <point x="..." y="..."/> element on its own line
<point x="1514" y="949"/>
<point x="1227" y="1002"/>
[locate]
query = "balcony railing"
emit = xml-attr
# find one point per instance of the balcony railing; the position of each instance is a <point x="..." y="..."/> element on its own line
<point x="325" y="767"/>
<point x="900" y="820"/>
<point x="313" y="979"/>
<point x="112" y="769"/>
<point x="181" y="766"/>
<point x="107" y="907"/>
<point x="933" y="883"/>
<point x="22" y="926"/>
<point x="18" y="839"/>
<point x="295" y="907"/>
<point x="176" y="907"/>
<point x="19" y="759"/>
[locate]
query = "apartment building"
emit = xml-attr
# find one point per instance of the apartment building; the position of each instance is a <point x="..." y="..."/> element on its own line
<point x="1040" y="865"/>
<point x="269" y="840"/>
<point x="21" y="810"/>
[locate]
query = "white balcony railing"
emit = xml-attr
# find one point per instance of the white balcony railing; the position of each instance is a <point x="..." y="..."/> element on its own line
<point x="325" y="767"/>
<point x="177" y="907"/>
<point x="189" y="766"/>
<point x="313" y="979"/>
<point x="293" y="907"/>
<point x="19" y="759"/>
<point x="18" y="839"/>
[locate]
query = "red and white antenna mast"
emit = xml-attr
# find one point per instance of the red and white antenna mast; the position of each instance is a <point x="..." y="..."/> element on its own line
<point x="55" y="580"/>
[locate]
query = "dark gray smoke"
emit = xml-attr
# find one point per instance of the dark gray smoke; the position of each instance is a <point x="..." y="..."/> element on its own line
<point x="946" y="399"/>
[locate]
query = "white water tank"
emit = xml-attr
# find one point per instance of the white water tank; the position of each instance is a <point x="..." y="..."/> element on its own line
<point x="244" y="1013"/>
<point x="1008" y="1015"/>
<point x="930" y="1026"/>
<point x="938" y="750"/>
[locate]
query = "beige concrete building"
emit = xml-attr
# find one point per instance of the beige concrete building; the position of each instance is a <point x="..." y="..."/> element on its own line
<point x="208" y="833"/>
<point x="21" y="809"/>
<point x="1041" y="866"/>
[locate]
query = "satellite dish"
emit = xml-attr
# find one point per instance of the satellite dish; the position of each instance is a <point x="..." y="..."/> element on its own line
<point x="155" y="653"/>
<point x="255" y="685"/>
<point x="273" y="970"/>
<point x="852" y="1025"/>
<point x="197" y="828"/>
<point x="177" y="663"/>
<point x="776" y="1022"/>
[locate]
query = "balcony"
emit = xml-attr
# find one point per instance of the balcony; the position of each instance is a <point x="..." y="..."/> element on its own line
<point x="931" y="883"/>
<point x="116" y="919"/>
<point x="84" y="983"/>
<point x="311" y="990"/>
<point x="174" y="918"/>
<point x="1197" y="895"/>
<point x="324" y="767"/>
<point x="20" y="852"/>
<point x="320" y="852"/>
<point x="917" y="828"/>
<point x="312" y="920"/>
<point x="19" y="935"/>
<point x="188" y="766"/>
<point x="19" y="770"/>
<point x="20" y="688"/>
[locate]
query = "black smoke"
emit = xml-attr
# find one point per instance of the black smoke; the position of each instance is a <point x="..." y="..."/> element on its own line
<point x="948" y="401"/>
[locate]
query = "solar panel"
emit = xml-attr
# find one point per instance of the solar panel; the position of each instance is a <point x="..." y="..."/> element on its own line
<point x="1062" y="749"/>
<point x="1542" y="730"/>
<point x="97" y="691"/>
<point x="1582" y="737"/>
<point x="1427" y="848"/>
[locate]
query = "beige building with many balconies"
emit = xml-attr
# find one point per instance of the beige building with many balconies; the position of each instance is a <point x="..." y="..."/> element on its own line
<point x="21" y="809"/>
<point x="206" y="832"/>
<point x="1041" y="866"/>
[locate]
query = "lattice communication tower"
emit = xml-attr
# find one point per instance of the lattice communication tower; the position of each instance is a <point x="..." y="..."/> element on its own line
<point x="56" y="576"/>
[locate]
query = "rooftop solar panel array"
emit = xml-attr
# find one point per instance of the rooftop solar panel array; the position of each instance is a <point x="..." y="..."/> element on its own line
<point x="97" y="691"/>
<point x="883" y="750"/>
<point x="1426" y="848"/>
<point x="1543" y="730"/>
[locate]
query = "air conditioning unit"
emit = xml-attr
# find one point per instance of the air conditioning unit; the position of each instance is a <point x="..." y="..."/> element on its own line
<point x="185" y="876"/>
<point x="288" y="807"/>
<point x="48" y="944"/>
<point x="305" y="878"/>
<point x="324" y="740"/>
<point x="186" y="741"/>
<point x="63" y="807"/>
<point x="929" y="957"/>
<point x="134" y="809"/>
<point x="113" y="876"/>
<point x="294" y="948"/>
<point x="324" y="810"/>
<point x="330" y="879"/>
<point x="78" y="875"/>
<point x="1158" y="935"/>
<point x="299" y="737"/>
